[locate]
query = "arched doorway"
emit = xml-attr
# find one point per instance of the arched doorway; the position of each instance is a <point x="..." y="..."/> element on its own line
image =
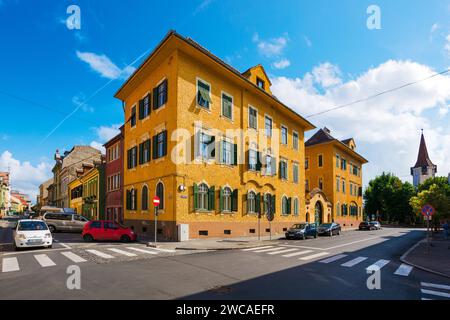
<point x="318" y="212"/>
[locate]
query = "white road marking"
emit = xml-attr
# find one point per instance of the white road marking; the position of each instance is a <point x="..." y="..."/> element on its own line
<point x="297" y="253"/>
<point x="282" y="251"/>
<point x="426" y="299"/>
<point x="65" y="245"/>
<point x="44" y="260"/>
<point x="10" y="264"/>
<point x="332" y="259"/>
<point x="125" y="253"/>
<point x="434" y="285"/>
<point x="162" y="250"/>
<point x="313" y="256"/>
<point x="267" y="250"/>
<point x="257" y="248"/>
<point x="378" y="265"/>
<point x="142" y="250"/>
<point x="72" y="256"/>
<point x="436" y="293"/>
<point x="353" y="262"/>
<point x="100" y="254"/>
<point x="404" y="270"/>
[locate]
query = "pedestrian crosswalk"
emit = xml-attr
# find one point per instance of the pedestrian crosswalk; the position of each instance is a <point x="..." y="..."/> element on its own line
<point x="434" y="291"/>
<point x="11" y="264"/>
<point x="343" y="260"/>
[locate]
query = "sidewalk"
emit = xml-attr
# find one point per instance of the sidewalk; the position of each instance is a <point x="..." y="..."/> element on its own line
<point x="220" y="243"/>
<point x="437" y="261"/>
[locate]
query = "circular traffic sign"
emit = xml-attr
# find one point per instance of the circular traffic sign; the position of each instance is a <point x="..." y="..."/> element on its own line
<point x="428" y="210"/>
<point x="156" y="201"/>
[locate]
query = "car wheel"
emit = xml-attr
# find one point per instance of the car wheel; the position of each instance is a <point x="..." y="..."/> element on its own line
<point x="125" y="238"/>
<point x="52" y="228"/>
<point x="88" y="238"/>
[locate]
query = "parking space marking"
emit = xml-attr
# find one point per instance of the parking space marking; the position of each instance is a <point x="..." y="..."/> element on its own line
<point x="72" y="256"/>
<point x="125" y="253"/>
<point x="10" y="265"/>
<point x="100" y="254"/>
<point x="332" y="259"/>
<point x="353" y="262"/>
<point x="297" y="253"/>
<point x="313" y="256"/>
<point x="404" y="270"/>
<point x="44" y="260"/>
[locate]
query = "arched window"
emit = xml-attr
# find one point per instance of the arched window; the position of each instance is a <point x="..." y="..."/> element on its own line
<point x="251" y="202"/>
<point x="344" y="210"/>
<point x="202" y="197"/>
<point x="144" y="198"/>
<point x="160" y="195"/>
<point x="284" y="205"/>
<point x="296" y="204"/>
<point x="226" y="194"/>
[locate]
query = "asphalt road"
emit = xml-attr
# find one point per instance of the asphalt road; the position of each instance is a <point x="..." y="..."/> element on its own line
<point x="324" y="268"/>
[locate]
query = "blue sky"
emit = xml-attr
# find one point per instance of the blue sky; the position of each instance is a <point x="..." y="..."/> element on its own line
<point x="318" y="54"/>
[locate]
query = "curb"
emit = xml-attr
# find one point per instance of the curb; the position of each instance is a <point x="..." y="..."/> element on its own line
<point x="404" y="256"/>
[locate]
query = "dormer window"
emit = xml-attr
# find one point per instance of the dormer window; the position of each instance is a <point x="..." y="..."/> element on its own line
<point x="260" y="83"/>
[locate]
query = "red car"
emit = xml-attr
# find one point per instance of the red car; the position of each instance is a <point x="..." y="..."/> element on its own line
<point x="107" y="230"/>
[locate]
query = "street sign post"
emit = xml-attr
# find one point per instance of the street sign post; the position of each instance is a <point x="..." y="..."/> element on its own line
<point x="428" y="212"/>
<point x="156" y="202"/>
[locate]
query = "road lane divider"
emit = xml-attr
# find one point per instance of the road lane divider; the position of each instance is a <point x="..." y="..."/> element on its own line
<point x="122" y="252"/>
<point x="404" y="270"/>
<point x="141" y="250"/>
<point x="313" y="256"/>
<point x="257" y="248"/>
<point x="299" y="253"/>
<point x="282" y="251"/>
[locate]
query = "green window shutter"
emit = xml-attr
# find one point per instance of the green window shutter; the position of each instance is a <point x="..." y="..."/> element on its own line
<point x="235" y="154"/>
<point x="204" y="94"/>
<point x="274" y="204"/>
<point x="274" y="166"/>
<point x="195" y="193"/>
<point x="155" y="98"/>
<point x="280" y="174"/>
<point x="127" y="200"/>
<point x="141" y="153"/>
<point x="128" y="159"/>
<point x="221" y="152"/>
<point x="289" y="205"/>
<point x="141" y="109"/>
<point x="211" y="198"/>
<point x="164" y="133"/>
<point x="149" y="149"/>
<point x="234" y="200"/>
<point x="166" y="91"/>
<point x="135" y="199"/>
<point x="258" y="203"/>
<point x="221" y="199"/>
<point x="155" y="147"/>
<point x="149" y="99"/>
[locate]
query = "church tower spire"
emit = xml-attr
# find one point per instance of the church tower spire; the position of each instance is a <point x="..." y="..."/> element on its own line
<point x="424" y="168"/>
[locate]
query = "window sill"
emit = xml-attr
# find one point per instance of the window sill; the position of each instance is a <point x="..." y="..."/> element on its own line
<point x="203" y="212"/>
<point x="160" y="108"/>
<point x="160" y="159"/>
<point x="204" y="108"/>
<point x="227" y="118"/>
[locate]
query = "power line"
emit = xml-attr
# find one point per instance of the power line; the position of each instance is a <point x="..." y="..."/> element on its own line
<point x="378" y="94"/>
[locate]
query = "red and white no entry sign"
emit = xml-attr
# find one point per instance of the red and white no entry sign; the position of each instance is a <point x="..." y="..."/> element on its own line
<point x="156" y="201"/>
<point x="428" y="211"/>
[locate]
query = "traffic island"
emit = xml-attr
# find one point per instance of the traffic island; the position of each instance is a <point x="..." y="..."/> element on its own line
<point x="435" y="259"/>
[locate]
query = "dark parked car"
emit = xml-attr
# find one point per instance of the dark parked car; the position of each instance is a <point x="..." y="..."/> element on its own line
<point x="367" y="225"/>
<point x="376" y="225"/>
<point x="329" y="229"/>
<point x="302" y="231"/>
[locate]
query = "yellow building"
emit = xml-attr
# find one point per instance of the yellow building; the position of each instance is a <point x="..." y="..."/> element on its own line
<point x="76" y="195"/>
<point x="213" y="143"/>
<point x="334" y="168"/>
<point x="93" y="199"/>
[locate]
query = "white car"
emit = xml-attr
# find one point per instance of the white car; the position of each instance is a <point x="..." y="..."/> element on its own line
<point x="32" y="233"/>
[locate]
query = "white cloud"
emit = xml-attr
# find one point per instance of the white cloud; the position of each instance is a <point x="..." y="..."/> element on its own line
<point x="24" y="176"/>
<point x="78" y="101"/>
<point x="282" y="64"/>
<point x="307" y="41"/>
<point x="386" y="128"/>
<point x="434" y="27"/>
<point x="104" y="66"/>
<point x="327" y="75"/>
<point x="447" y="45"/>
<point x="203" y="5"/>
<point x="271" y="48"/>
<point x="104" y="134"/>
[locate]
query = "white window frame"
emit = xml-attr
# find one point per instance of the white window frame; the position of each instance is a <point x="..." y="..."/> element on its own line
<point x="287" y="134"/>
<point x="222" y="93"/>
<point x="271" y="126"/>
<point x="248" y="116"/>
<point x="295" y="133"/>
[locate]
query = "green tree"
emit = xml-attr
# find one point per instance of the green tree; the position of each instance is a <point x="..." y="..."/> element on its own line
<point x="435" y="194"/>
<point x="389" y="197"/>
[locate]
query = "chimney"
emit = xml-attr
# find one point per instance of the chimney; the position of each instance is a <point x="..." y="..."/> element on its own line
<point x="57" y="155"/>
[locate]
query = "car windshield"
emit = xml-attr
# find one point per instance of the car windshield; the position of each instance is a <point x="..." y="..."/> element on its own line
<point x="326" y="225"/>
<point x="32" y="226"/>
<point x="299" y="226"/>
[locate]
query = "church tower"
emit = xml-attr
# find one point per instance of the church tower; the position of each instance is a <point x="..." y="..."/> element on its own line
<point x="424" y="168"/>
